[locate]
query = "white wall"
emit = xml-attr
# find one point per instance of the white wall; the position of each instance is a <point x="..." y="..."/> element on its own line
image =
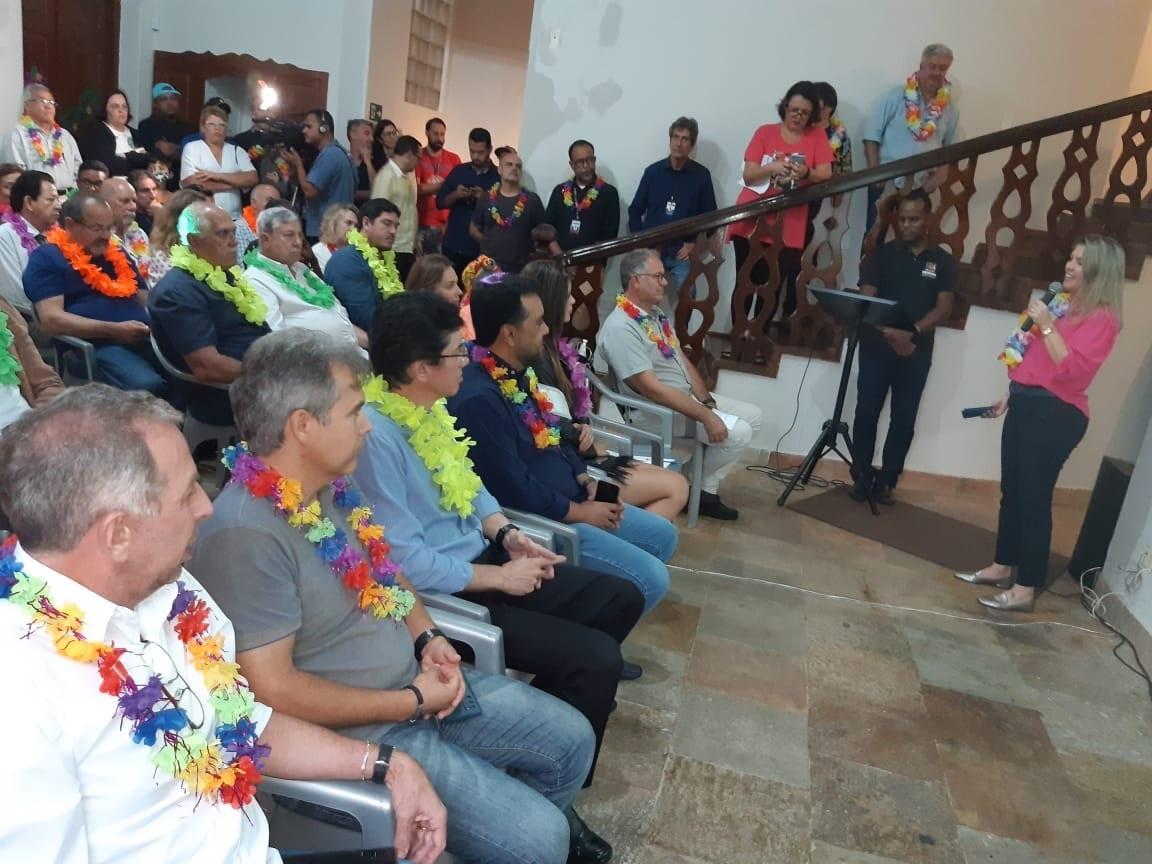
<point x="621" y="72"/>
<point x="331" y="38"/>
<point x="1131" y="546"/>
<point x="11" y="62"/>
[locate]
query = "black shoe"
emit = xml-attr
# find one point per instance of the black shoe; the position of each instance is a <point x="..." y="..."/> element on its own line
<point x="882" y="494"/>
<point x="630" y="671"/>
<point x="859" y="491"/>
<point x="585" y="844"/>
<point x="612" y="710"/>
<point x="712" y="507"/>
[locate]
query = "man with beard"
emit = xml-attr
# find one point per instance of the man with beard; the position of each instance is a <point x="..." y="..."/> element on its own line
<point x="436" y="162"/>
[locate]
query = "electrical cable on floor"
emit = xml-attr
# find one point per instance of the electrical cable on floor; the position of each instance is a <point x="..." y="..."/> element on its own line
<point x="1093" y="603"/>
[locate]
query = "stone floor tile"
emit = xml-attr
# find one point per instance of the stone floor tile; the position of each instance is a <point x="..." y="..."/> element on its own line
<point x="1113" y="792"/>
<point x="976" y="664"/>
<point x="774" y="621"/>
<point x="981" y="848"/>
<point x="826" y="853"/>
<point x="1115" y="846"/>
<point x="766" y="677"/>
<point x="671" y="625"/>
<point x="881" y="681"/>
<point x="635" y="743"/>
<point x="898" y="741"/>
<point x="659" y="687"/>
<point x="620" y="813"/>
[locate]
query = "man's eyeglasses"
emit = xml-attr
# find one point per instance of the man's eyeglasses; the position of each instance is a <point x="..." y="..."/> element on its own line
<point x="591" y="160"/>
<point x="659" y="277"/>
<point x="462" y="354"/>
<point x="47" y="103"/>
<point x="98" y="229"/>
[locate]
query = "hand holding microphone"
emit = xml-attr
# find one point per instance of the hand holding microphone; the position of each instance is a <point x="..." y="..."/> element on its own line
<point x="1038" y="309"/>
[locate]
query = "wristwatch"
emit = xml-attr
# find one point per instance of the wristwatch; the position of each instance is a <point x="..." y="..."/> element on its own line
<point x="498" y="540"/>
<point x="380" y="766"/>
<point x="424" y="638"/>
<point x="419" y="712"/>
<point x="1045" y="331"/>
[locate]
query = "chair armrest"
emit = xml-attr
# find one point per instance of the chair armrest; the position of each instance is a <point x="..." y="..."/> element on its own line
<point x="171" y="370"/>
<point x="612" y="440"/>
<point x="566" y="540"/>
<point x="367" y="803"/>
<point x="661" y="413"/>
<point x="485" y="640"/>
<point x="455" y="605"/>
<point x="86" y="349"/>
<point x="638" y="436"/>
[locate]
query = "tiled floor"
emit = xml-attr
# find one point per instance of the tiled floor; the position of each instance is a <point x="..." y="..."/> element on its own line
<point x="776" y="725"/>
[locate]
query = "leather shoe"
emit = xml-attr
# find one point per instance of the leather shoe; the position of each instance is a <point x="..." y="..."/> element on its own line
<point x="585" y="844"/>
<point x="712" y="507"/>
<point x="882" y="494"/>
<point x="630" y="671"/>
<point x="976" y="578"/>
<point x="1001" y="602"/>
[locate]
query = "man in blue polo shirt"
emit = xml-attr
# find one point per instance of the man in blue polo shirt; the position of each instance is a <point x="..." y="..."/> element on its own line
<point x="196" y="326"/>
<point x="673" y="189"/>
<point x="459" y="193"/>
<point x="331" y="180"/>
<point x="82" y="288"/>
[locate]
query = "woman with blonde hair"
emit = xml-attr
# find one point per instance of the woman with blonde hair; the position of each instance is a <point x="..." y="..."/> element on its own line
<point x="164" y="236"/>
<point x="337" y="221"/>
<point x="1051" y="359"/>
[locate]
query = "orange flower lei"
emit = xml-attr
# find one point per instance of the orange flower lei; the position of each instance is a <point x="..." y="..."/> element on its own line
<point x="124" y="285"/>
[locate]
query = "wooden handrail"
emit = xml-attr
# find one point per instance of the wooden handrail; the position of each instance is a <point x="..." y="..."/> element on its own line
<point x="858" y="179"/>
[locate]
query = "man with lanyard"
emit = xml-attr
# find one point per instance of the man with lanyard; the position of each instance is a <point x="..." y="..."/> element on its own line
<point x="922" y="279"/>
<point x="331" y="179"/>
<point x="460" y="191"/>
<point x="585" y="209"/>
<point x="436" y="161"/>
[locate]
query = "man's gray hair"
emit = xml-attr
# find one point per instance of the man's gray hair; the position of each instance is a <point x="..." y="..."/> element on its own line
<point x="284" y="372"/>
<point x="33" y="91"/>
<point x="271" y="218"/>
<point x="632" y="263"/>
<point x="193" y="220"/>
<point x="85" y="454"/>
<point x="936" y="49"/>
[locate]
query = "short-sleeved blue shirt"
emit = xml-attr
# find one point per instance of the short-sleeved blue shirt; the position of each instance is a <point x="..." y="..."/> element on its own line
<point x="332" y="174"/>
<point x="49" y="274"/>
<point x="355" y="286"/>
<point x="887" y="127"/>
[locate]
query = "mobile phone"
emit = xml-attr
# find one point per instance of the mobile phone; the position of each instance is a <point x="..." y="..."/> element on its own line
<point x="969" y="413"/>
<point x="607" y="493"/>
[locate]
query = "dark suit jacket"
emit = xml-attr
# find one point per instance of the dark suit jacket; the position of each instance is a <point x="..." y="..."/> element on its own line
<point x="98" y="142"/>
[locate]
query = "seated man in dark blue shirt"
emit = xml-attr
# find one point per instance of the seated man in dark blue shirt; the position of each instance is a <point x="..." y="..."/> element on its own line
<point x="362" y="282"/>
<point x="673" y="189"/>
<point x="518" y="452"/>
<point x="459" y="193"/>
<point x="83" y="286"/>
<point x="205" y="317"/>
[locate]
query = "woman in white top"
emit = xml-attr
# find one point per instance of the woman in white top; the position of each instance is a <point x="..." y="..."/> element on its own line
<point x="338" y="220"/>
<point x="216" y="166"/>
<point x="109" y="138"/>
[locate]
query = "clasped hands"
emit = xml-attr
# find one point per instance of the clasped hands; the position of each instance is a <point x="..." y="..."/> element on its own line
<point x="529" y="564"/>
<point x="899" y="341"/>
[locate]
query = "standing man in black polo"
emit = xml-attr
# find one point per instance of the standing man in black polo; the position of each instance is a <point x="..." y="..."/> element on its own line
<point x="922" y="279"/>
<point x="505" y="215"/>
<point x="585" y="209"/>
<point x="458" y="194"/>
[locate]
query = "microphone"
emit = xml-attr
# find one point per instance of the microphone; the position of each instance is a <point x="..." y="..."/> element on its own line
<point x="1049" y="295"/>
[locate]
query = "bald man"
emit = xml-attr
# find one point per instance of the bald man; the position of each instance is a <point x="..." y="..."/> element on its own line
<point x="120" y="196"/>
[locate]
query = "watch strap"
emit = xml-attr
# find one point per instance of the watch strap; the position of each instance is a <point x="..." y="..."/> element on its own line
<point x="380" y="766"/>
<point x="498" y="540"/>
<point x="424" y="638"/>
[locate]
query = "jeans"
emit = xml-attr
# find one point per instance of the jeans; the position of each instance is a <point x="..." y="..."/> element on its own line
<point x="635" y="551"/>
<point x="507" y="775"/>
<point x="677" y="271"/>
<point x="129" y="367"/>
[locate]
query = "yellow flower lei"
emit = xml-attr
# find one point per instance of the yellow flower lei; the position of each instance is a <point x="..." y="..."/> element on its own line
<point x="383" y="266"/>
<point x="240" y="291"/>
<point x="440" y="445"/>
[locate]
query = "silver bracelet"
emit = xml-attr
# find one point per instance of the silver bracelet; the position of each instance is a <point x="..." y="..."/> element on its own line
<point x="364" y="761"/>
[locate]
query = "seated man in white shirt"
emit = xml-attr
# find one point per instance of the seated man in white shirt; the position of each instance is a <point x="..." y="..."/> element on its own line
<point x="294" y="295"/>
<point x="35" y="208"/>
<point x="137" y="738"/>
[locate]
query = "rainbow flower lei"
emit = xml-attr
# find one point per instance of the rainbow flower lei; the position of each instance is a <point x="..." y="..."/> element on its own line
<point x="923" y="127"/>
<point x="433" y="435"/>
<point x="837" y="134"/>
<point x="536" y="415"/>
<point x="227" y="768"/>
<point x="581" y="391"/>
<point x="40" y="144"/>
<point x="27" y="239"/>
<point x="373" y="579"/>
<point x="664" y="337"/>
<point x="1018" y="342"/>
<point x="567" y="192"/>
<point x="9" y="365"/>
<point x="517" y="211"/>
<point x="382" y="265"/>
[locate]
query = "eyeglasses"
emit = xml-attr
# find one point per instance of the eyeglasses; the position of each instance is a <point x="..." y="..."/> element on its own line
<point x="800" y="112"/>
<point x="591" y="160"/>
<point x="98" y="229"/>
<point x="47" y="103"/>
<point x="462" y="354"/>
<point x="659" y="277"/>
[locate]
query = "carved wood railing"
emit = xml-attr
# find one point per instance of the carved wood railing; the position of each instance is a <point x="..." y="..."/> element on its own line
<point x="1011" y="261"/>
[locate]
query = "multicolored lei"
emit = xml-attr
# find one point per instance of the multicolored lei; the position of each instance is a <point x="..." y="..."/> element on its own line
<point x="536" y="414"/>
<point x="923" y="126"/>
<point x="568" y="191"/>
<point x="517" y="211"/>
<point x="663" y="336"/>
<point x="37" y="138"/>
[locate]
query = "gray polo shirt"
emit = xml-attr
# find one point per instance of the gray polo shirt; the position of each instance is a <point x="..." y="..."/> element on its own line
<point x="272" y="583"/>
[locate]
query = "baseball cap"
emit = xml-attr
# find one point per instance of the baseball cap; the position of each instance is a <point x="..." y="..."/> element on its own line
<point x="221" y="103"/>
<point x="164" y="89"/>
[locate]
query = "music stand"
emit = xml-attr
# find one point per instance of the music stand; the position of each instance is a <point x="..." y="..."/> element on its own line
<point x="851" y="310"/>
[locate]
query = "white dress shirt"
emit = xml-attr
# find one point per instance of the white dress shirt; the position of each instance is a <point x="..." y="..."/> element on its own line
<point x="198" y="156"/>
<point x="13" y="406"/>
<point x="287" y="309"/>
<point x="17" y="147"/>
<point x="74" y="788"/>
<point x="13" y="260"/>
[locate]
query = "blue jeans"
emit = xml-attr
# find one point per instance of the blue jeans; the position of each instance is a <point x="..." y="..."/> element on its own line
<point x="129" y="367"/>
<point x="636" y="551"/>
<point x="507" y="775"/>
<point x="677" y="271"/>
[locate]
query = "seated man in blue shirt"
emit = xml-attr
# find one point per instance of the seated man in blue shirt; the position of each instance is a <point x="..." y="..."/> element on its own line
<point x="83" y="286"/>
<point x="197" y="325"/>
<point x="331" y="179"/>
<point x="518" y="452"/>
<point x="670" y="190"/>
<point x="459" y="193"/>
<point x="361" y="282"/>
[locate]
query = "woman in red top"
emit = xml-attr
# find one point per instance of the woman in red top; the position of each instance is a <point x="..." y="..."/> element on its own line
<point x="1050" y="368"/>
<point x="799" y="132"/>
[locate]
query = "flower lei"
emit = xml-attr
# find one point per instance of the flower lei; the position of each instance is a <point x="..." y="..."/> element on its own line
<point x="27" y="238"/>
<point x="536" y="415"/>
<point x="39" y="143"/>
<point x="433" y="435"/>
<point x="371" y="574"/>
<point x="837" y="134"/>
<point x="1018" y="342"/>
<point x="567" y="192"/>
<point x="664" y="337"/>
<point x="256" y="153"/>
<point x="316" y="292"/>
<point x="9" y="365"/>
<point x="124" y="285"/>
<point x="382" y="265"/>
<point x="239" y="291"/>
<point x="227" y="768"/>
<point x="581" y="392"/>
<point x="482" y="265"/>
<point x="923" y="127"/>
<point x="517" y="211"/>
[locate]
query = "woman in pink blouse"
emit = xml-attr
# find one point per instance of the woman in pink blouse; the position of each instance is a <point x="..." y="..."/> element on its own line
<point x="1050" y="368"/>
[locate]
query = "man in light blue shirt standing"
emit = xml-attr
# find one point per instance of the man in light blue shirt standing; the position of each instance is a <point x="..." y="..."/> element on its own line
<point x="331" y="180"/>
<point x="914" y="117"/>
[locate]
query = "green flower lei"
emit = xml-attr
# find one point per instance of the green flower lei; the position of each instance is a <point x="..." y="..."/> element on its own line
<point x="9" y="365"/>
<point x="240" y="292"/>
<point x="316" y="292"/>
<point x="440" y="445"/>
<point x="382" y="264"/>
